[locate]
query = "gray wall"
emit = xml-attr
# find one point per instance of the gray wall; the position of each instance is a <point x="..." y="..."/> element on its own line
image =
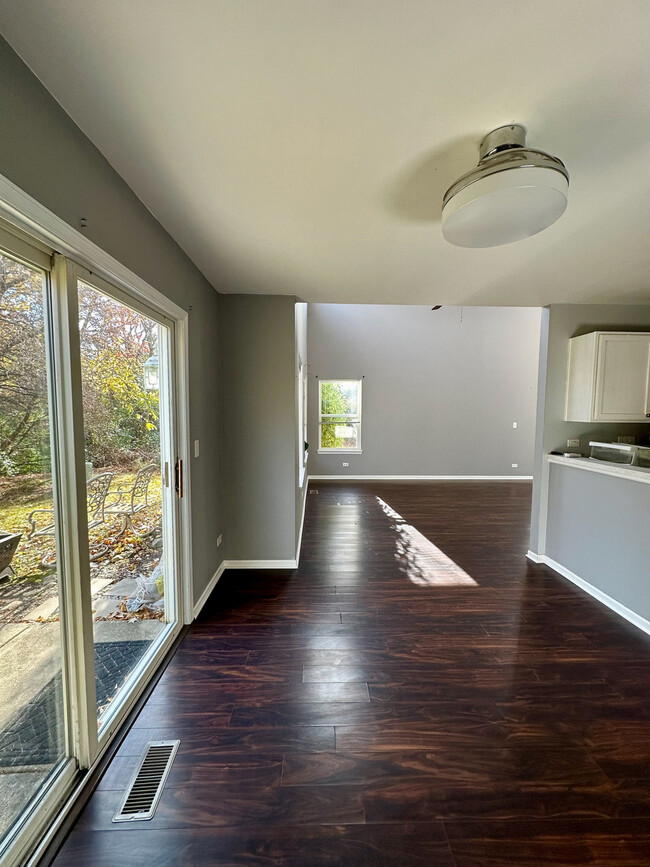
<point x="441" y="388"/>
<point x="598" y="529"/>
<point x="258" y="388"/>
<point x="44" y="153"/>
<point x="560" y="323"/>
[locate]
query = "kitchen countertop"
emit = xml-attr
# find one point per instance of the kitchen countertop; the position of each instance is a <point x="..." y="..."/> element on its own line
<point x="621" y="471"/>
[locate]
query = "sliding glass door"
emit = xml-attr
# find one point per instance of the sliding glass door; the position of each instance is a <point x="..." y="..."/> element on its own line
<point x="90" y="487"/>
<point x="128" y="440"/>
<point x="32" y="708"/>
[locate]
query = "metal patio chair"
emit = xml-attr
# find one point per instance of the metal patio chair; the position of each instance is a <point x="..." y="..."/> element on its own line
<point x="96" y="492"/>
<point x="129" y="500"/>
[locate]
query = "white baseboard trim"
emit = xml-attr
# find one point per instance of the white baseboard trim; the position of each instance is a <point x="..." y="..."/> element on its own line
<point x="260" y="564"/>
<point x="615" y="606"/>
<point x="536" y="558"/>
<point x="302" y="523"/>
<point x="212" y="583"/>
<point x="420" y="478"/>
<point x="238" y="564"/>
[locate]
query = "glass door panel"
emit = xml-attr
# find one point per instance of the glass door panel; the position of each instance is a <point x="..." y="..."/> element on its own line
<point x="128" y="441"/>
<point x="32" y="731"/>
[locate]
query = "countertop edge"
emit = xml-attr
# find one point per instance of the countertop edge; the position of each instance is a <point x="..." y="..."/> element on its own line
<point x="636" y="474"/>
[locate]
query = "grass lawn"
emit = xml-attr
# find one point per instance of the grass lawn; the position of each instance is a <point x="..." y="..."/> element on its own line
<point x="21" y="495"/>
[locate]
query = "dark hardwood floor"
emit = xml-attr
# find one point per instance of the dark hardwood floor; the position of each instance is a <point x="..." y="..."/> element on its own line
<point x="416" y="693"/>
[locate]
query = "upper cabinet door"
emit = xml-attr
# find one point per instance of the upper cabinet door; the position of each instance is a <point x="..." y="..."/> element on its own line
<point x="622" y="377"/>
<point x="609" y="377"/>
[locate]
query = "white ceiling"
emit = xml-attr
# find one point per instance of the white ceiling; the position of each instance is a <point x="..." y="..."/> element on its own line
<point x="303" y="146"/>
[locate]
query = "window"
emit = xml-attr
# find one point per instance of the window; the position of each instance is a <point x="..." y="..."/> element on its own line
<point x="339" y="422"/>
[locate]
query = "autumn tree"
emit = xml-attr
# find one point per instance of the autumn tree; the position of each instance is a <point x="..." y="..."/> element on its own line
<point x="120" y="416"/>
<point x="24" y="422"/>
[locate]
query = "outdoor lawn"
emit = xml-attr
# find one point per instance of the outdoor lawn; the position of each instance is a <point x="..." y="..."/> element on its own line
<point x="116" y="556"/>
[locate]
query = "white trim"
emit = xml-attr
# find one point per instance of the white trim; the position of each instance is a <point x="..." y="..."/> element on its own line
<point x="340" y="451"/>
<point x="260" y="564"/>
<point x="621" y="471"/>
<point x="615" y="606"/>
<point x="536" y="558"/>
<point x="212" y="583"/>
<point x="305" y="494"/>
<point x="76" y="604"/>
<point x="28" y="215"/>
<point x="357" y="478"/>
<point x="183" y="444"/>
<point x="34" y="823"/>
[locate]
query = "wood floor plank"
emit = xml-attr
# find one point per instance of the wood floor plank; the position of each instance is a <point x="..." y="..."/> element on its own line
<point x="208" y="742"/>
<point x="597" y="842"/>
<point x="441" y="714"/>
<point x="201" y="806"/>
<point x="421" y="845"/>
<point x="248" y="769"/>
<point x="506" y="766"/>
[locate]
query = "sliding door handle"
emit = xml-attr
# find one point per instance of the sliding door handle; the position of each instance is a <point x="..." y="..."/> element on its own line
<point x="178" y="478"/>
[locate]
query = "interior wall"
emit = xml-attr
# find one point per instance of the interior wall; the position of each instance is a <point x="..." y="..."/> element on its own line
<point x="563" y="321"/>
<point x="441" y="389"/>
<point x="258" y="389"/>
<point x="598" y="529"/>
<point x="44" y="153"/>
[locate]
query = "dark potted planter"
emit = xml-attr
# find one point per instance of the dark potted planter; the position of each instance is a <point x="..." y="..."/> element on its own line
<point x="8" y="544"/>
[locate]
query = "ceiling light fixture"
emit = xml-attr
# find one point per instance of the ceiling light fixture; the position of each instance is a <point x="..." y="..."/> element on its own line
<point x="513" y="193"/>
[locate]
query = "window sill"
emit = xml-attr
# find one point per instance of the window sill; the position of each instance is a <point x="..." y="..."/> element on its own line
<point x="340" y="451"/>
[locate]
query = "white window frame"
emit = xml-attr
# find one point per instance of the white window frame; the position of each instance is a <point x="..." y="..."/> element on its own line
<point x="357" y="420"/>
<point x="34" y="234"/>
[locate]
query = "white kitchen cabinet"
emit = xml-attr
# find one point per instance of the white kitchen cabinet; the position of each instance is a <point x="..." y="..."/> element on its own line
<point x="609" y="377"/>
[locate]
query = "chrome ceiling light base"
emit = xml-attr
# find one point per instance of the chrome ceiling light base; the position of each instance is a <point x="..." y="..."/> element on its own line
<point x="513" y="193"/>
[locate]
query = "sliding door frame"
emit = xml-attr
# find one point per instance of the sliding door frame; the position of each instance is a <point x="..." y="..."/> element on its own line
<point x="145" y="666"/>
<point x="54" y="787"/>
<point x="74" y="256"/>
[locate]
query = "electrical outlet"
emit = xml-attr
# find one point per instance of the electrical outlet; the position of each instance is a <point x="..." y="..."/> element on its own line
<point x="627" y="440"/>
<point x="219" y="540"/>
<point x="196" y="448"/>
<point x="573" y="444"/>
<point x="514" y="466"/>
<point x="515" y="424"/>
<point x="346" y="464"/>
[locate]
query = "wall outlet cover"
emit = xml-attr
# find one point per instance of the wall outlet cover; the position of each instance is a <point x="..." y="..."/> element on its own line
<point x="573" y="443"/>
<point x="196" y="448"/>
<point x="514" y="466"/>
<point x="346" y="464"/>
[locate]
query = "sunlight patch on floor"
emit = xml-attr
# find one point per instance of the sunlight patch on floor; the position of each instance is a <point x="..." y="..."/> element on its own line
<point x="422" y="561"/>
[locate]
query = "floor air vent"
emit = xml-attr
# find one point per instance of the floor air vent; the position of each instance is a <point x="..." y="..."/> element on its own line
<point x="144" y="790"/>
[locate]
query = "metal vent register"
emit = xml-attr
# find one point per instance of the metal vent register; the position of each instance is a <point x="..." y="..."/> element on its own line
<point x="146" y="786"/>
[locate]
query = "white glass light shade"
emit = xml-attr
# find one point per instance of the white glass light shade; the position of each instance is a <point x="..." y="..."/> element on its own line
<point x="505" y="206"/>
<point x="150" y="370"/>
